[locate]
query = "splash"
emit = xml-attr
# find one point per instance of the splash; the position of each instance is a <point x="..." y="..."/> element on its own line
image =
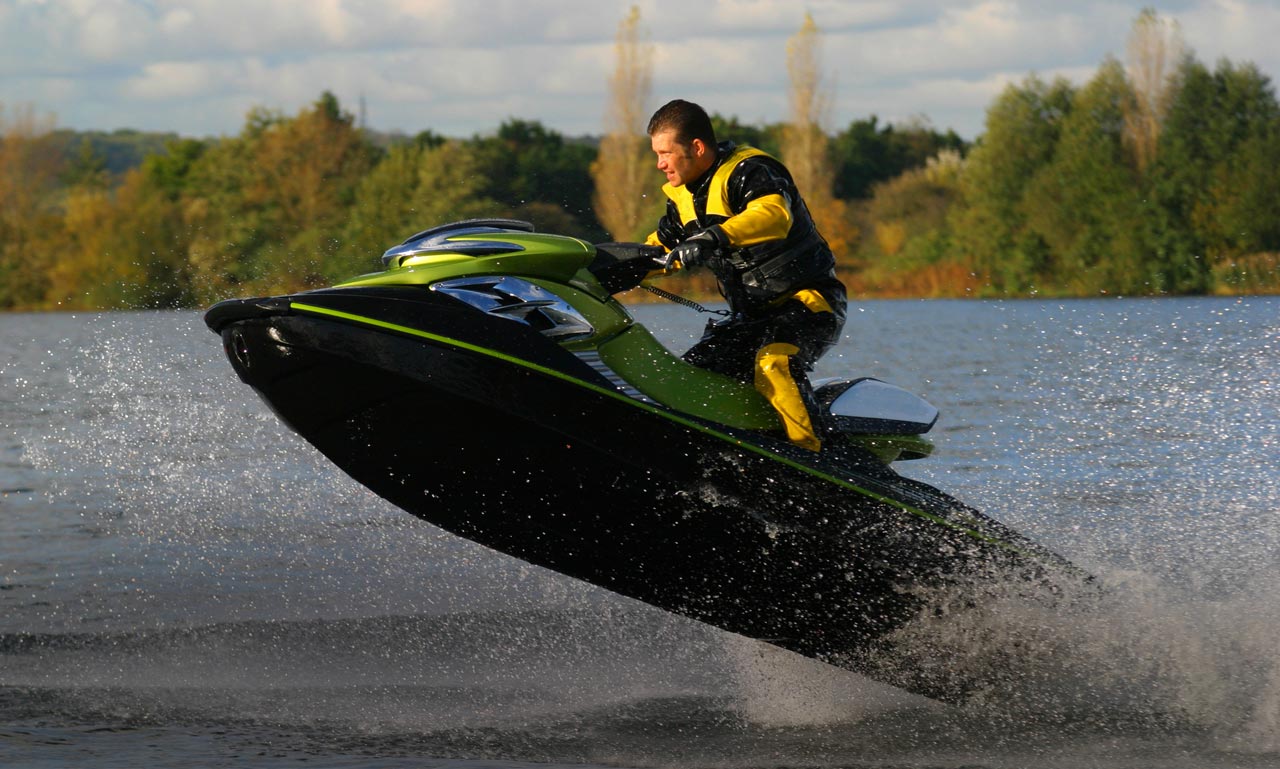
<point x="1143" y="655"/>
<point x="778" y="688"/>
<point x="1131" y="652"/>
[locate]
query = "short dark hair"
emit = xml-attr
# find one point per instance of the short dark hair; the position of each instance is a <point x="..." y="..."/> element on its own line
<point x="687" y="119"/>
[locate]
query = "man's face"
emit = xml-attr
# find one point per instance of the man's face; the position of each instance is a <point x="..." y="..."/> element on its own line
<point x="681" y="163"/>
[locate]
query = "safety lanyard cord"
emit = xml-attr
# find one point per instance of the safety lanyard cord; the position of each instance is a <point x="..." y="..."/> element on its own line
<point x="682" y="300"/>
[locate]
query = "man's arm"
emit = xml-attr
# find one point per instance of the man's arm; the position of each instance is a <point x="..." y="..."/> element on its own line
<point x="760" y="192"/>
<point x="765" y="218"/>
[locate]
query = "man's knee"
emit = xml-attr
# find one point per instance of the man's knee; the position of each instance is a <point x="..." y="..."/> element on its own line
<point x="773" y="359"/>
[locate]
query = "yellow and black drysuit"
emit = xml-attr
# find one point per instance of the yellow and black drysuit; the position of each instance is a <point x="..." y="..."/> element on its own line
<point x="776" y="272"/>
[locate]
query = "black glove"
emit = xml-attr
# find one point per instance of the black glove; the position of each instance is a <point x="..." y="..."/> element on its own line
<point x="696" y="248"/>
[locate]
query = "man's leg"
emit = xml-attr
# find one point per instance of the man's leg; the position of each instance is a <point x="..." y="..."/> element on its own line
<point x="775" y="353"/>
<point x="776" y="383"/>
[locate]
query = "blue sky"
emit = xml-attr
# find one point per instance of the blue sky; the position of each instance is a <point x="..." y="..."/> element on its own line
<point x="461" y="67"/>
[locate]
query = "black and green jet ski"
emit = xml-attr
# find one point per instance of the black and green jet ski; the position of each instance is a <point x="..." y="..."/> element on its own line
<point x="488" y="382"/>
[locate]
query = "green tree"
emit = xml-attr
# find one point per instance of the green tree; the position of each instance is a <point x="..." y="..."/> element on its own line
<point x="413" y="188"/>
<point x="990" y="227"/>
<point x="88" y="169"/>
<point x="152" y="204"/>
<point x="30" y="167"/>
<point x="97" y="267"/>
<point x="1203" y="186"/>
<point x="227" y="232"/>
<point x="121" y="246"/>
<point x="866" y="153"/>
<point x="270" y="204"/>
<point x="1245" y="197"/>
<point x="1086" y="203"/>
<point x="767" y="138"/>
<point x="116" y="151"/>
<point x="1248" y="118"/>
<point x="307" y="170"/>
<point x="526" y="163"/>
<point x="169" y="172"/>
<point x="907" y="250"/>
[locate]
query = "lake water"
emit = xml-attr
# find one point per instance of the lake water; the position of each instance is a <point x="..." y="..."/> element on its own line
<point x="185" y="582"/>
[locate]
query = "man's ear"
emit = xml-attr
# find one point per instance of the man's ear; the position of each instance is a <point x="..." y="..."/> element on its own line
<point x="699" y="147"/>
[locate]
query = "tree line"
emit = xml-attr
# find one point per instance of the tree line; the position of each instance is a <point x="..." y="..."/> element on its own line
<point x="292" y="201"/>
<point x="1157" y="176"/>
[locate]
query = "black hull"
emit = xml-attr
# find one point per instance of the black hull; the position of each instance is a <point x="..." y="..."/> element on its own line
<point x="545" y="462"/>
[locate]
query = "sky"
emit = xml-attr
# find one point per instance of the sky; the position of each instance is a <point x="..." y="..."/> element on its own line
<point x="463" y="67"/>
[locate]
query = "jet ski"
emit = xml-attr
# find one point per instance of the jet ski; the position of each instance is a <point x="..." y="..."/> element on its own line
<point x="489" y="381"/>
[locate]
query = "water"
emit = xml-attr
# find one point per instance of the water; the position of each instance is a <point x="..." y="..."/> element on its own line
<point x="184" y="582"/>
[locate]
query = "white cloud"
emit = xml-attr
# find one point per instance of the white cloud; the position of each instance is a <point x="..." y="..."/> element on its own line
<point x="784" y="17"/>
<point x="1239" y="31"/>
<point x="170" y="79"/>
<point x="462" y="66"/>
<point x="177" y="22"/>
<point x="112" y="29"/>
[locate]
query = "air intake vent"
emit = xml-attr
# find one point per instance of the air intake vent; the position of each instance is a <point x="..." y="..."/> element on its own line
<point x="521" y="301"/>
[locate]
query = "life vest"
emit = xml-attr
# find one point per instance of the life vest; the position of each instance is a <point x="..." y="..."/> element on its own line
<point x="756" y="276"/>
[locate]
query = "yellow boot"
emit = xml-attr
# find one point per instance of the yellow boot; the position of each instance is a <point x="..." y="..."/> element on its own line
<point x="774" y="381"/>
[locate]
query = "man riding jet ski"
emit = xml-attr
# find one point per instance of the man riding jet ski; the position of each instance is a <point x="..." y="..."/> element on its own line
<point x="737" y="211"/>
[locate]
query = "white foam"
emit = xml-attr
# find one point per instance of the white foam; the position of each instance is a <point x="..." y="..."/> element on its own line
<point x="776" y="687"/>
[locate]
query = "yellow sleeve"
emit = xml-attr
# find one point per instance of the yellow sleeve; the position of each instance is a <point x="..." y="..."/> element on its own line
<point x="652" y="240"/>
<point x="766" y="218"/>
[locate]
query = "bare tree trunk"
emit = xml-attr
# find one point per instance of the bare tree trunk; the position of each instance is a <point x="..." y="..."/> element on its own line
<point x="1155" y="50"/>
<point x="804" y="142"/>
<point x="622" y="169"/>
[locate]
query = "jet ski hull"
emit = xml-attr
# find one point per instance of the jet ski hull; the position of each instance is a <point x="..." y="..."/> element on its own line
<point x="502" y="437"/>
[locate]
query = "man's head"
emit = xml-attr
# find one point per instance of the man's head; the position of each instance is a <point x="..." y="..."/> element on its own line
<point x="682" y="137"/>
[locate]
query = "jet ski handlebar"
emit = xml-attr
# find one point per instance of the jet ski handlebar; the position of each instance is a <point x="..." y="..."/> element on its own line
<point x="622" y="266"/>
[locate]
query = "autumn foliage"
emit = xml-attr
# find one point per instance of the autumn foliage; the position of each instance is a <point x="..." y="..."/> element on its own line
<point x="1157" y="175"/>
